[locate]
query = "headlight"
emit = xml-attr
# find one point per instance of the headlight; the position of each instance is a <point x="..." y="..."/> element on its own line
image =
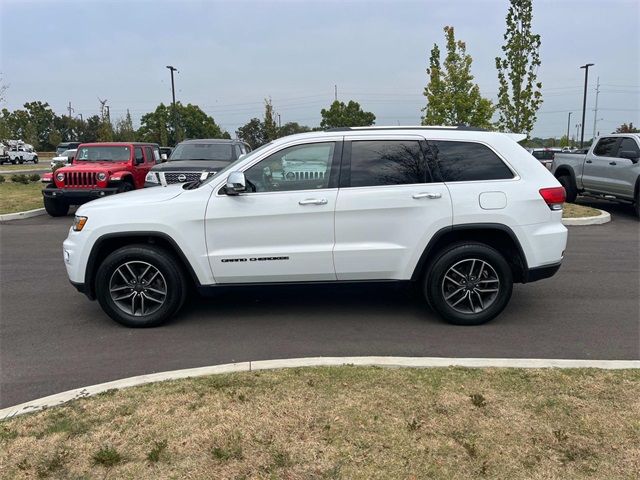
<point x="79" y="223"/>
<point x="101" y="176"/>
<point x="151" y="178"/>
<point x="60" y="176"/>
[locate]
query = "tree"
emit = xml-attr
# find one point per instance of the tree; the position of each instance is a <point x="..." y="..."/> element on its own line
<point x="519" y="95"/>
<point x="90" y="129"/>
<point x="252" y="132"/>
<point x="452" y="97"/>
<point x="157" y="126"/>
<point x="124" y="131"/>
<point x="291" y="128"/>
<point x="269" y="127"/>
<point x="349" y="115"/>
<point x="624" y="128"/>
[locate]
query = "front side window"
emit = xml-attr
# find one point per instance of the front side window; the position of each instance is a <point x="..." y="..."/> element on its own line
<point x="303" y="167"/>
<point x="629" y="145"/>
<point x="386" y="162"/>
<point x="467" y="161"/>
<point x="606" y="147"/>
<point x="104" y="154"/>
<point x="139" y="155"/>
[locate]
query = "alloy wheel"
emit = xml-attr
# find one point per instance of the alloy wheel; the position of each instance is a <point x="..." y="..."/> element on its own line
<point x="138" y="288"/>
<point x="470" y="286"/>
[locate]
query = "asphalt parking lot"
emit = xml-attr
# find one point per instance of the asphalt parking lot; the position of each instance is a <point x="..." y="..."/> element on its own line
<point x="53" y="339"/>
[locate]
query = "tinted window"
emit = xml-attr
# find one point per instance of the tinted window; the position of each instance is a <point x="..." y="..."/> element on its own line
<point x="149" y="155"/>
<point x="629" y="145"/>
<point x="386" y="162"/>
<point x="139" y="156"/>
<point x="203" y="151"/>
<point x="238" y="151"/>
<point x="104" y="154"/>
<point x="302" y="167"/>
<point x="606" y="147"/>
<point x="543" y="154"/>
<point x="467" y="161"/>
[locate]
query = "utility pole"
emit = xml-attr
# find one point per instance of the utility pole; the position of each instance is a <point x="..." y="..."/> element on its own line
<point x="595" y="110"/>
<point x="81" y="119"/>
<point x="578" y="125"/>
<point x="279" y="124"/>
<point x="108" y="117"/>
<point x="584" y="99"/>
<point x="568" y="122"/>
<point x="70" y="109"/>
<point x="335" y="92"/>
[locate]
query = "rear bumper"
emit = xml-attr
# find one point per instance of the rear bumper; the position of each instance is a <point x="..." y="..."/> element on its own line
<point x="540" y="273"/>
<point x="78" y="196"/>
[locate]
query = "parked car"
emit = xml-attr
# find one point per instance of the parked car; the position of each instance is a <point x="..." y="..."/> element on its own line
<point x="462" y="214"/>
<point x="4" y="154"/>
<point x="545" y="155"/>
<point x="196" y="160"/>
<point x="64" y="146"/>
<point x="21" y="153"/>
<point x="65" y="158"/>
<point x="99" y="169"/>
<point x="608" y="170"/>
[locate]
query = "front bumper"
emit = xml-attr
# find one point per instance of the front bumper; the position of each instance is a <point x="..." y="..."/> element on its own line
<point x="79" y="195"/>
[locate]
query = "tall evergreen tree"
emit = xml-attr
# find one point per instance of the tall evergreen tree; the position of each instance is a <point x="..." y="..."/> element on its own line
<point x="519" y="95"/>
<point x="452" y="97"/>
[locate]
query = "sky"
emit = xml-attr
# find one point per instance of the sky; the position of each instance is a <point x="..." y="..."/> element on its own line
<point x="231" y="55"/>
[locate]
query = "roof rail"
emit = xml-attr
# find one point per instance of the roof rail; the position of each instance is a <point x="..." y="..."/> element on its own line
<point x="408" y="127"/>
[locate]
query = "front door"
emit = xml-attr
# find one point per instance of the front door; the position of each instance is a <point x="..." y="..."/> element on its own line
<point x="597" y="167"/>
<point x="283" y="229"/>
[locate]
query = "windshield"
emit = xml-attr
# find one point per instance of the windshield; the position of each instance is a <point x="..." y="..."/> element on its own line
<point x="232" y="166"/>
<point x="104" y="154"/>
<point x="203" y="151"/>
<point x="68" y="153"/>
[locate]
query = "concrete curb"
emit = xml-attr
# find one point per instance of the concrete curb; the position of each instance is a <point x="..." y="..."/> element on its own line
<point x="604" y="217"/>
<point x="414" y="362"/>
<point x="22" y="215"/>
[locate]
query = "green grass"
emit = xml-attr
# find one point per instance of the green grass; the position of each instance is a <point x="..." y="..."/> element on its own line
<point x="342" y="422"/>
<point x="24" y="166"/>
<point x="18" y="197"/>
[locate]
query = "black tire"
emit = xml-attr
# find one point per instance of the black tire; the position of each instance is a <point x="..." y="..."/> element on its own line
<point x="35" y="159"/>
<point x="567" y="182"/>
<point x="171" y="274"/>
<point x="636" y="204"/>
<point x="13" y="162"/>
<point x="56" y="208"/>
<point x="21" y="161"/>
<point x="125" y="187"/>
<point x="458" y="255"/>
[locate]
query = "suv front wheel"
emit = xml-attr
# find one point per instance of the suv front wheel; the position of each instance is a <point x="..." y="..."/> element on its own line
<point x="140" y="286"/>
<point x="469" y="284"/>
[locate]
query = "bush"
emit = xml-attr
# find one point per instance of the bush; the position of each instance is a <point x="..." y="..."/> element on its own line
<point x="2" y="179"/>
<point x="20" y="179"/>
<point x="34" y="177"/>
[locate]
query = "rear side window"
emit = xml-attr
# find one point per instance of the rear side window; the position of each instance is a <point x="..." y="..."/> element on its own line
<point x="467" y="161"/>
<point x="629" y="145"/>
<point x="387" y="162"/>
<point x="606" y="147"/>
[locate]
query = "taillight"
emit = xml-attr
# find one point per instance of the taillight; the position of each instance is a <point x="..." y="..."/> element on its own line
<point x="554" y="197"/>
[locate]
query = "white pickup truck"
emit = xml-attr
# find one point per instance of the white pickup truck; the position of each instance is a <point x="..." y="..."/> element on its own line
<point x="20" y="152"/>
<point x="609" y="170"/>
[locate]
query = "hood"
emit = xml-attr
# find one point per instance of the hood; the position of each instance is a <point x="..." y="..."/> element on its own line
<point x="135" y="197"/>
<point x="111" y="167"/>
<point x="191" y="166"/>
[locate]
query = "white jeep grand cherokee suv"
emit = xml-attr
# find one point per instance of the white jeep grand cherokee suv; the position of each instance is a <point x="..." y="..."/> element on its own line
<point x="460" y="212"/>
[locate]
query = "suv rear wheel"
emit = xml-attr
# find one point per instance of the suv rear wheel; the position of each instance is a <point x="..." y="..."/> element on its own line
<point x="56" y="208"/>
<point x="469" y="284"/>
<point x="567" y="182"/>
<point x="140" y="286"/>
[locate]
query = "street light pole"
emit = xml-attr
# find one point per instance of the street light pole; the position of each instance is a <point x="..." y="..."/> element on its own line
<point x="584" y="99"/>
<point x="173" y="103"/>
<point x="568" y="122"/>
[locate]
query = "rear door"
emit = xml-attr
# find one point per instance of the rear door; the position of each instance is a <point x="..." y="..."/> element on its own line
<point x="623" y="172"/>
<point x="282" y="231"/>
<point x="388" y="207"/>
<point x="597" y="166"/>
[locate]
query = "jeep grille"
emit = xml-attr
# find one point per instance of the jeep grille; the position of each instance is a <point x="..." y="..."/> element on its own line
<point x="80" y="179"/>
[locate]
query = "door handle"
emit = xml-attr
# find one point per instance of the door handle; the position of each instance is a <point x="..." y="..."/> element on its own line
<point x="429" y="195"/>
<point x="313" y="201"/>
<point x="612" y="163"/>
<point x="588" y="161"/>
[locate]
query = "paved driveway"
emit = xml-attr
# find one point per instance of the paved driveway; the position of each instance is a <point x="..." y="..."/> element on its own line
<point x="52" y="338"/>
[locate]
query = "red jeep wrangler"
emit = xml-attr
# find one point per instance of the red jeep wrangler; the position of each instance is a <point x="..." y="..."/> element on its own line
<point x="99" y="169"/>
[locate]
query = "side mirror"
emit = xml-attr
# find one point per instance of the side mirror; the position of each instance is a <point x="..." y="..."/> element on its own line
<point x="163" y="157"/>
<point x="236" y="184"/>
<point x="630" y="154"/>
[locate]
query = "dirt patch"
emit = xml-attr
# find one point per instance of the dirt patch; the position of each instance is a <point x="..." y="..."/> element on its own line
<point x="572" y="210"/>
